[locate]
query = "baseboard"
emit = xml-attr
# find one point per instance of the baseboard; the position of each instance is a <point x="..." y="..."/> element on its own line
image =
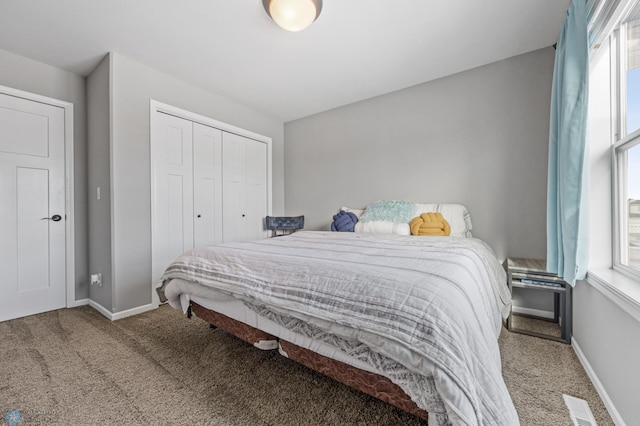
<point x="98" y="307"/>
<point x="133" y="311"/>
<point x="613" y="412"/>
<point x="120" y="315"/>
<point x="533" y="312"/>
<point x="76" y="303"/>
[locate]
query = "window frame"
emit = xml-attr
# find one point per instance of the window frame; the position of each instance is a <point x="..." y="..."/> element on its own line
<point x="622" y="143"/>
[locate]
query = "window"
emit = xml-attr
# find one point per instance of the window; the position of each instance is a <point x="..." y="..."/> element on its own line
<point x="627" y="147"/>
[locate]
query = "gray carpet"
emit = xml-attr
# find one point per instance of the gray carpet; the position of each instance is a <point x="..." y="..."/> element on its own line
<point x="73" y="366"/>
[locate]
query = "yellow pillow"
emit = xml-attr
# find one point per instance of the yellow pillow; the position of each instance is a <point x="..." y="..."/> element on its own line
<point x="430" y="224"/>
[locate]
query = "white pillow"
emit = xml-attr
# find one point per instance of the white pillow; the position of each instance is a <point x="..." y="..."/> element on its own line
<point x="456" y="214"/>
<point x="383" y="227"/>
<point x="357" y="212"/>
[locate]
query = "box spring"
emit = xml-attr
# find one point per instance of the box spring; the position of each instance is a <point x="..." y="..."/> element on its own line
<point x="370" y="383"/>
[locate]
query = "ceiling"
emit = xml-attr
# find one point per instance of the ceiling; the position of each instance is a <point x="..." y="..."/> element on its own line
<point x="356" y="49"/>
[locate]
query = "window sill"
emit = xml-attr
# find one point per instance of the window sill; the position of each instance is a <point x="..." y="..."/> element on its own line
<point x="621" y="289"/>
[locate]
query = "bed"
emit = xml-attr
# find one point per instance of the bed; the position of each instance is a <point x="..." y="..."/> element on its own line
<point x="411" y="320"/>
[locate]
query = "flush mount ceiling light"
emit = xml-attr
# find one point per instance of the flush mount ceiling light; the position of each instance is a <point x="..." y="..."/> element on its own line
<point x="293" y="15"/>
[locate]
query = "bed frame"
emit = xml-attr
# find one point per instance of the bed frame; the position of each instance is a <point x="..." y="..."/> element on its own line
<point x="370" y="383"/>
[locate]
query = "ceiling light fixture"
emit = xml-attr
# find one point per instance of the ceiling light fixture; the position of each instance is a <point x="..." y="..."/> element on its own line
<point x="293" y="15"/>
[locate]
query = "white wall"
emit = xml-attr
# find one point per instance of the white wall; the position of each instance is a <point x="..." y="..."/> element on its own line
<point x="28" y="75"/>
<point x="479" y="138"/>
<point x="132" y="87"/>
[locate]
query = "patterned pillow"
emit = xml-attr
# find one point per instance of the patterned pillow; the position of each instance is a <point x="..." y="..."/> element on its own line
<point x="389" y="211"/>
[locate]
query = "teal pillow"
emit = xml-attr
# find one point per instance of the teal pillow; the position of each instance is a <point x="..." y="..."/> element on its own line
<point x="390" y="211"/>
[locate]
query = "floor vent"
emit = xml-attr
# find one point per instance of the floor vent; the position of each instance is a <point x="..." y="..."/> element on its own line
<point x="579" y="411"/>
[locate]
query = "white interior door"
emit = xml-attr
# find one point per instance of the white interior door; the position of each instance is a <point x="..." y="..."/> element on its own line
<point x="32" y="207"/>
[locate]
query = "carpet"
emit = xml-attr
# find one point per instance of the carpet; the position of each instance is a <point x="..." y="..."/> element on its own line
<point x="73" y="366"/>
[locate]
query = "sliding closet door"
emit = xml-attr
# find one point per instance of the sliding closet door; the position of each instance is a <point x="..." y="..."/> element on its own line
<point x="173" y="182"/>
<point x="207" y="185"/>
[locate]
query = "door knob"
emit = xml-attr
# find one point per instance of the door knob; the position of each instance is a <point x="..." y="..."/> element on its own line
<point x="55" y="218"/>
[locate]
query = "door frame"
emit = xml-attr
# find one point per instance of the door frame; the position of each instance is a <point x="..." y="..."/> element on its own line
<point x="69" y="223"/>
<point x="156" y="107"/>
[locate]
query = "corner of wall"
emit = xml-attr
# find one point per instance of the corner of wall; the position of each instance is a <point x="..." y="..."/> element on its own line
<point x="99" y="178"/>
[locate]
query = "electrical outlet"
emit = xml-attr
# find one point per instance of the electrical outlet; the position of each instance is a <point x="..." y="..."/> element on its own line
<point x="96" y="279"/>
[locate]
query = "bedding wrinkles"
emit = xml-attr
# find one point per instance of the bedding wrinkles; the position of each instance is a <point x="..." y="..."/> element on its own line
<point x="433" y="304"/>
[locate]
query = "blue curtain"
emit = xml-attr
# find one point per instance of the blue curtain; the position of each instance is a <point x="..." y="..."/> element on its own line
<point x="567" y="186"/>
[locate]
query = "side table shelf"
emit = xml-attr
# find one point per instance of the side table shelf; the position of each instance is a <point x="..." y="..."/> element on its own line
<point x="532" y="274"/>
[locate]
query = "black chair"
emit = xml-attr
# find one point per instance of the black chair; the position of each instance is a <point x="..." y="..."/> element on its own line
<point x="284" y="224"/>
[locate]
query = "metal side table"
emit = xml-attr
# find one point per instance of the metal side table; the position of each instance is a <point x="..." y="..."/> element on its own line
<point x="532" y="274"/>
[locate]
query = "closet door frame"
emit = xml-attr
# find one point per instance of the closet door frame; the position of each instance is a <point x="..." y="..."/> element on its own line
<point x="157" y="107"/>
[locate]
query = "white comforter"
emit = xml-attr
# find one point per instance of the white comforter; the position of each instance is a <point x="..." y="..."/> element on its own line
<point x="432" y="304"/>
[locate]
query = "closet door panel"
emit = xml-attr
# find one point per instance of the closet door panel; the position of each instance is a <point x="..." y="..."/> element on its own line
<point x="179" y="239"/>
<point x="173" y="207"/>
<point x="207" y="185"/>
<point x="234" y="187"/>
<point x="256" y="187"/>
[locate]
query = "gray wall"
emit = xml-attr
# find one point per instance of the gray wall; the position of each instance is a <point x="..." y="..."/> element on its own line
<point x="610" y="340"/>
<point x="133" y="85"/>
<point x="98" y="161"/>
<point x="608" y="337"/>
<point x="26" y="74"/>
<point x="479" y="138"/>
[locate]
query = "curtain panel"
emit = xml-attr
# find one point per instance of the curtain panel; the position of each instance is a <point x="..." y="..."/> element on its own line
<point x="567" y="181"/>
